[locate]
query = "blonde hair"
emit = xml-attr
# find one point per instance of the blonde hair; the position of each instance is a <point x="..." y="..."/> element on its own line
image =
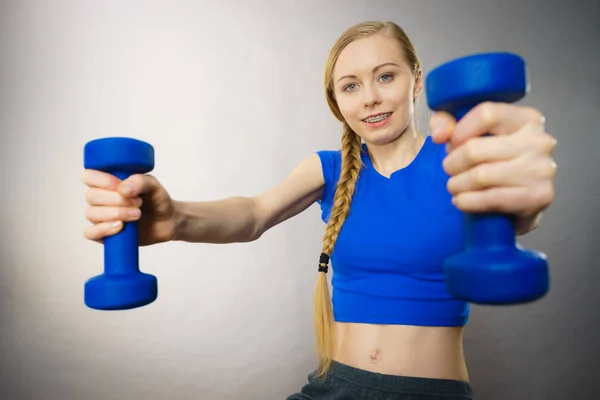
<point x="351" y="166"/>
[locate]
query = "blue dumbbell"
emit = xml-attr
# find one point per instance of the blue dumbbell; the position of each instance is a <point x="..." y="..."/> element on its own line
<point x="122" y="286"/>
<point x="493" y="269"/>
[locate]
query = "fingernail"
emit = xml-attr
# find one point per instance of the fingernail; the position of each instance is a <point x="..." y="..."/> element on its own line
<point x="116" y="224"/>
<point x="137" y="202"/>
<point x="134" y="213"/>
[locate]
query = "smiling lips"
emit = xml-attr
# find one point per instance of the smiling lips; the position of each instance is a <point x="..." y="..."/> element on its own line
<point x="377" y="120"/>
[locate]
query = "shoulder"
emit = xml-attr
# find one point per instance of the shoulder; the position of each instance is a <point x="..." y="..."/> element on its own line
<point x="332" y="157"/>
<point x="331" y="161"/>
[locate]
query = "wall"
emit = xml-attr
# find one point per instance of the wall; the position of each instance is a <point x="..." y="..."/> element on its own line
<point x="230" y="95"/>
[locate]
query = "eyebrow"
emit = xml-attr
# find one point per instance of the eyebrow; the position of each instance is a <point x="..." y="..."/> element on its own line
<point x="374" y="69"/>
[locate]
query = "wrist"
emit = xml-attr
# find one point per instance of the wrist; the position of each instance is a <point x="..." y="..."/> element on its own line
<point x="180" y="217"/>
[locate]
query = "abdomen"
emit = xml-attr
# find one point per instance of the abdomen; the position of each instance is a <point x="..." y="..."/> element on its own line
<point x="431" y="352"/>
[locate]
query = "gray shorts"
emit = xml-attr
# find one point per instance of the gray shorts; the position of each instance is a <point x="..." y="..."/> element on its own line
<point x="348" y="383"/>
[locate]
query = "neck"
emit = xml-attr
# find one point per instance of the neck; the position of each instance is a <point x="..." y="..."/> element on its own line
<point x="398" y="154"/>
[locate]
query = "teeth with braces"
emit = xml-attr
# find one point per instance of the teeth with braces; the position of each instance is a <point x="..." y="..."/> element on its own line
<point x="378" y="118"/>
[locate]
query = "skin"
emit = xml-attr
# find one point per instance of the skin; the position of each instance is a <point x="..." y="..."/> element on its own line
<point x="511" y="171"/>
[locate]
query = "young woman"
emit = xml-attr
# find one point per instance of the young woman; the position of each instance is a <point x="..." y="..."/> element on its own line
<point x="392" y="199"/>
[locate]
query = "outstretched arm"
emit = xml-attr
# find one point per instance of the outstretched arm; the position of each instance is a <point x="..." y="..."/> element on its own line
<point x="245" y="219"/>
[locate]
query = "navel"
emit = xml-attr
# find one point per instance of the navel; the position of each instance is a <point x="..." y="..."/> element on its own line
<point x="374" y="356"/>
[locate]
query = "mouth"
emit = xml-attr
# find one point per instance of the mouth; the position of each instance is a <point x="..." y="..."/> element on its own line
<point x="377" y="118"/>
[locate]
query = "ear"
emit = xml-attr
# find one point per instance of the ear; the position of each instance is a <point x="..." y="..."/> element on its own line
<point x="418" y="88"/>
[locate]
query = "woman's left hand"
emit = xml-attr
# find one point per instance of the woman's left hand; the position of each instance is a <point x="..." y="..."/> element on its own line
<point x="511" y="171"/>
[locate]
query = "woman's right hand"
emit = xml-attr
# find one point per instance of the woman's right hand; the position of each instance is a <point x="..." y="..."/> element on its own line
<point x="111" y="202"/>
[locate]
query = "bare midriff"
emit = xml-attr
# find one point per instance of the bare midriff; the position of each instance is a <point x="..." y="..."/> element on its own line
<point x="418" y="351"/>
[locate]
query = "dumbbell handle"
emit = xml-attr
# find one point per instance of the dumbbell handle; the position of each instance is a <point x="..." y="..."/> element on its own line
<point x="487" y="230"/>
<point x="493" y="230"/>
<point x="121" y="252"/>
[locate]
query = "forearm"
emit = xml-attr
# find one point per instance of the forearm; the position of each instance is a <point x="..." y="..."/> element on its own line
<point x="230" y="220"/>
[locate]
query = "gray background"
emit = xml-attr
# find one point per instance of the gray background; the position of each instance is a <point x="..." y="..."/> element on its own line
<point x="230" y="94"/>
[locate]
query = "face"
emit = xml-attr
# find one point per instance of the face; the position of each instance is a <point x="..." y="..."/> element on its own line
<point x="375" y="89"/>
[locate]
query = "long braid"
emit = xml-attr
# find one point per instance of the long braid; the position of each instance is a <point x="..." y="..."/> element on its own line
<point x="351" y="166"/>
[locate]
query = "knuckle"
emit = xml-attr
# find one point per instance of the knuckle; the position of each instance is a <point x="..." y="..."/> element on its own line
<point x="446" y="166"/>
<point x="472" y="152"/>
<point x="89" y="176"/>
<point x="89" y="196"/>
<point x="136" y="180"/>
<point x="486" y="111"/>
<point x="544" y="142"/>
<point x="85" y="177"/>
<point x="549" y="143"/>
<point x="539" y="168"/>
<point x="90" y="214"/>
<point x="546" y="195"/>
<point x="87" y="234"/>
<point x="548" y="169"/>
<point x="553" y="168"/>
<point x="451" y="186"/>
<point x="535" y="116"/>
<point x="481" y="176"/>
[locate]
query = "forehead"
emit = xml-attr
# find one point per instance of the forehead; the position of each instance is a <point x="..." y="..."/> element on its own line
<point x="363" y="54"/>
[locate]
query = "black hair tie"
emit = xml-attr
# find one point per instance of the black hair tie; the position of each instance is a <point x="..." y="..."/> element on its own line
<point x="323" y="262"/>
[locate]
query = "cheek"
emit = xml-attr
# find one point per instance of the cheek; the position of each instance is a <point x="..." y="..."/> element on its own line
<point x="349" y="107"/>
<point x="403" y="106"/>
<point x="351" y="113"/>
<point x="396" y="97"/>
<point x="399" y="93"/>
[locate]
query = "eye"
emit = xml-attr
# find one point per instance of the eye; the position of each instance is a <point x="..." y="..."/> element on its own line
<point x="386" y="77"/>
<point x="349" y="88"/>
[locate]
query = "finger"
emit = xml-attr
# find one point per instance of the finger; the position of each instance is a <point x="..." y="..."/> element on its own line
<point x="518" y="200"/>
<point x="137" y="185"/>
<point x="102" y="197"/>
<point x="495" y="119"/>
<point x="483" y="149"/>
<point x="156" y="198"/>
<point x="99" y="231"/>
<point x="515" y="172"/>
<point x="97" y="214"/>
<point x="441" y="125"/>
<point x="99" y="179"/>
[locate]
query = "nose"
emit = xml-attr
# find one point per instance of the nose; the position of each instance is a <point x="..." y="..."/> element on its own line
<point x="371" y="96"/>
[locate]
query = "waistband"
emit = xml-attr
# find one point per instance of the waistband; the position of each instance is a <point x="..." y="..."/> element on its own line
<point x="399" y="384"/>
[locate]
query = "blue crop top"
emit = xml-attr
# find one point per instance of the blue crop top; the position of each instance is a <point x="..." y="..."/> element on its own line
<point x="387" y="263"/>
